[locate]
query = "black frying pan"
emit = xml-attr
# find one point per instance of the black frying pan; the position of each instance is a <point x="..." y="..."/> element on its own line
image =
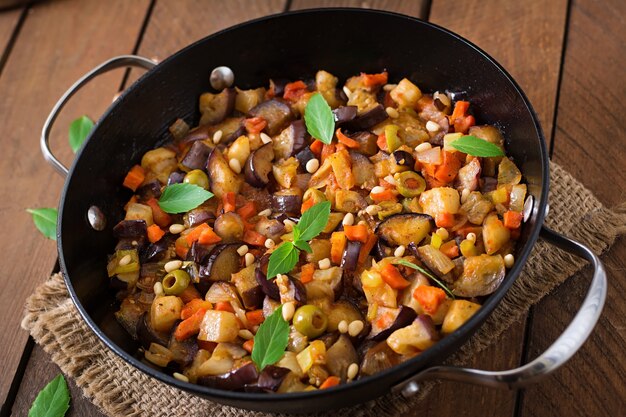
<point x="294" y="46"/>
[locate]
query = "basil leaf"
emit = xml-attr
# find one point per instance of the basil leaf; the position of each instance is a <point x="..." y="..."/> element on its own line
<point x="53" y="400"/>
<point x="270" y="340"/>
<point x="79" y="130"/>
<point x="319" y="119"/>
<point x="179" y="198"/>
<point x="45" y="220"/>
<point x="475" y="146"/>
<point x="282" y="260"/>
<point x="313" y="221"/>
<point x="428" y="274"/>
<point x="303" y="245"/>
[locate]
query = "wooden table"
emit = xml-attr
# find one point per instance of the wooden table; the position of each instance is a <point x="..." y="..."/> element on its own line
<point x="567" y="55"/>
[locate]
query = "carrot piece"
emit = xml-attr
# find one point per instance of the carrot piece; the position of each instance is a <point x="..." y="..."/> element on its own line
<point x="294" y="90"/>
<point x="306" y="204"/>
<point x="449" y="168"/>
<point x="254" y="238"/>
<point x="331" y="381"/>
<point x="247" y="210"/>
<point x="370" y="80"/>
<point x="356" y="232"/>
<point x="387" y="195"/>
<point x="349" y="142"/>
<point x="194" y="305"/>
<point x="181" y="247"/>
<point x="337" y="246"/>
<point x="155" y="233"/>
<point x="248" y="345"/>
<point x="208" y="237"/>
<point x="460" y="110"/>
<point x="255" y="124"/>
<point x="381" y="142"/>
<point x="392" y="276"/>
<point x="450" y="249"/>
<point x="224" y="306"/>
<point x="229" y="202"/>
<point x="385" y="320"/>
<point x="430" y="298"/>
<point x="195" y="233"/>
<point x="444" y="219"/>
<point x="464" y="231"/>
<point x="327" y="150"/>
<point x="367" y="247"/>
<point x="306" y="273"/>
<point x="189" y="326"/>
<point x="512" y="219"/>
<point x="462" y="124"/>
<point x="316" y="147"/>
<point x="134" y="178"/>
<point x="189" y="293"/>
<point x="255" y="317"/>
<point x="160" y="217"/>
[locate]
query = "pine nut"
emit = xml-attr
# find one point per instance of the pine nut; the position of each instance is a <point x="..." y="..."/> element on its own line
<point x="347" y="92"/>
<point x="173" y="265"/>
<point x="372" y="210"/>
<point x="399" y="252"/>
<point x="443" y="233"/>
<point x="288" y="311"/>
<point x="158" y="289"/>
<point x="176" y="228"/>
<point x="390" y="179"/>
<point x="242" y="250"/>
<point x="124" y="261"/>
<point x="432" y="126"/>
<point x="289" y="224"/>
<point x="249" y="258"/>
<point x="324" y="263"/>
<point x="312" y="165"/>
<point x="266" y="212"/>
<point x="423" y="147"/>
<point x="246" y="334"/>
<point x="393" y="113"/>
<point x="348" y="219"/>
<point x="217" y="136"/>
<point x="389" y="87"/>
<point x="134" y="243"/>
<point x="464" y="194"/>
<point x="180" y="377"/>
<point x="355" y="328"/>
<point x="509" y="260"/>
<point x="342" y="326"/>
<point x="377" y="190"/>
<point x="471" y="237"/>
<point x="235" y="165"/>
<point x="265" y="138"/>
<point x="269" y="243"/>
<point x="353" y="371"/>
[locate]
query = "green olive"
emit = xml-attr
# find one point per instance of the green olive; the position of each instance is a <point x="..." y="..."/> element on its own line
<point x="175" y="282"/>
<point x="197" y="177"/>
<point x="310" y="320"/>
<point x="410" y="184"/>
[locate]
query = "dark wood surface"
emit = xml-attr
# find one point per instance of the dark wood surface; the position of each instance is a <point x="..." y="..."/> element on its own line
<point x="567" y="56"/>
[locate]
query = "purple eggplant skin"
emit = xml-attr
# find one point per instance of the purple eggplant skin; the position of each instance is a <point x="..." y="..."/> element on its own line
<point x="197" y="156"/>
<point x="276" y="112"/>
<point x="367" y="142"/>
<point x="291" y="140"/>
<point x="368" y="119"/>
<point x="259" y="165"/>
<point x="268" y="287"/>
<point x="271" y="377"/>
<point x="199" y="215"/>
<point x="488" y="184"/>
<point x="279" y="86"/>
<point x="405" y="316"/>
<point x="233" y="380"/>
<point x="155" y="252"/>
<point x="404" y="158"/>
<point x="183" y="351"/>
<point x="149" y="190"/>
<point x="344" y="114"/>
<point x="286" y="202"/>
<point x="197" y="253"/>
<point x="429" y="325"/>
<point x="147" y="335"/>
<point x="176" y="177"/>
<point x="220" y="107"/>
<point x="381" y="251"/>
<point x="221" y="263"/>
<point x="299" y="290"/>
<point x="304" y="156"/>
<point x="350" y="258"/>
<point x="131" y="229"/>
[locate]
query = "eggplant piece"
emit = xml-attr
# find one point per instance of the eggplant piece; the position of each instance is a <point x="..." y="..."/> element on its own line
<point x="368" y="119"/>
<point x="344" y="114"/>
<point x="342" y="310"/>
<point x="146" y="334"/>
<point x="216" y="107"/>
<point x="404" y="316"/>
<point x="183" y="351"/>
<point x="414" y="338"/>
<point x="230" y="227"/>
<point x="270" y="228"/>
<point x="155" y="252"/>
<point x="151" y="189"/>
<point x="233" y="380"/>
<point x="291" y="140"/>
<point x="468" y="176"/>
<point x="403" y="229"/>
<point x="350" y="258"/>
<point x="248" y="287"/>
<point x="197" y="156"/>
<point x="367" y="142"/>
<point x="259" y="165"/>
<point x="223" y="179"/>
<point x="404" y="158"/>
<point x="197" y="133"/>
<point x="291" y="289"/>
<point x="488" y="184"/>
<point x="482" y="275"/>
<point x="268" y="287"/>
<point x="198" y="216"/>
<point x="271" y="377"/>
<point x="287" y="201"/>
<point x="278" y="85"/>
<point x="378" y="358"/>
<point x="339" y="357"/>
<point x="231" y="127"/>
<point x="130" y="229"/>
<point x="363" y="171"/>
<point x="435" y="260"/>
<point x="305" y="155"/>
<point x="221" y="263"/>
<point x="326" y="284"/>
<point x="381" y="251"/>
<point x="175" y="177"/>
<point x="276" y="112"/>
<point x="197" y="253"/>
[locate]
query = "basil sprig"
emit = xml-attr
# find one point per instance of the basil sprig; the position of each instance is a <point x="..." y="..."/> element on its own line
<point x="319" y="119"/>
<point x="45" y="220"/>
<point x="311" y="224"/>
<point x="270" y="340"/>
<point x="179" y="198"/>
<point x="476" y="146"/>
<point x="79" y="129"/>
<point x="425" y="272"/>
<point x="53" y="400"/>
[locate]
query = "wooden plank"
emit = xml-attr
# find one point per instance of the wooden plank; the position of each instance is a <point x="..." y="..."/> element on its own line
<point x="589" y="143"/>
<point x="56" y="46"/>
<point x="8" y="23"/>
<point x="417" y="8"/>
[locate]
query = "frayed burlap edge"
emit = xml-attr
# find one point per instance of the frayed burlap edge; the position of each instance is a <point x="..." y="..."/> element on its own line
<point x="120" y="390"/>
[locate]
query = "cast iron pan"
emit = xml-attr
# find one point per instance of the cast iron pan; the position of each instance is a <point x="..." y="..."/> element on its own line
<point x="294" y="46"/>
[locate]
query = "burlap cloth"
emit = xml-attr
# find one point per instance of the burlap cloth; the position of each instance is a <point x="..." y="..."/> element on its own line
<point x="120" y="390"/>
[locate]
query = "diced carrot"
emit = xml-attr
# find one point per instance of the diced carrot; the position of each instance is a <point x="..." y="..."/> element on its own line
<point x="331" y="381"/>
<point x="392" y="276"/>
<point x="357" y="232"/>
<point x="460" y="109"/>
<point x="194" y="305"/>
<point x="450" y="249"/>
<point x="247" y="210"/>
<point x="255" y="124"/>
<point x="189" y="293"/>
<point x="381" y="142"/>
<point x="387" y="195"/>
<point x="512" y="219"/>
<point x="229" y="202"/>
<point x="449" y="168"/>
<point x="195" y="233"/>
<point x="189" y="326"/>
<point x="306" y="273"/>
<point x="255" y="317"/>
<point x="337" y="246"/>
<point x="370" y="80"/>
<point x="307" y="204"/>
<point x="134" y="178"/>
<point x="160" y="217"/>
<point x="385" y="184"/>
<point x="430" y="298"/>
<point x="206" y="345"/>
<point x="181" y="247"/>
<point x="209" y="237"/>
<point x="295" y="90"/>
<point x="254" y="238"/>
<point x="464" y="231"/>
<point x="316" y="147"/>
<point x="155" y="233"/>
<point x="444" y="219"/>
<point x="248" y="345"/>
<point x="385" y="320"/>
<point x="340" y="147"/>
<point x="224" y="306"/>
<point x="367" y="247"/>
<point x="327" y="150"/>
<point x="349" y="142"/>
<point x="462" y="124"/>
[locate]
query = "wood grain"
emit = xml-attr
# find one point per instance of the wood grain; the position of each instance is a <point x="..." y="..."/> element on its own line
<point x="417" y="8"/>
<point x="54" y="48"/>
<point x="589" y="142"/>
<point x="8" y="23"/>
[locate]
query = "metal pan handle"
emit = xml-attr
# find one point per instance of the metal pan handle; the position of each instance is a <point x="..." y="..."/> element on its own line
<point x="556" y="355"/>
<point x="113" y="63"/>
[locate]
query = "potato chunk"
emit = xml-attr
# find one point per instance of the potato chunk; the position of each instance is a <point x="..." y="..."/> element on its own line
<point x="440" y="200"/>
<point x="406" y="94"/>
<point x="459" y="312"/>
<point x="219" y="326"/>
<point x="164" y="312"/>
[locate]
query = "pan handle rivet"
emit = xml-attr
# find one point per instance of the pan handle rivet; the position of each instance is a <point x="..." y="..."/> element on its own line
<point x="410" y="389"/>
<point x="96" y="218"/>
<point x="221" y="78"/>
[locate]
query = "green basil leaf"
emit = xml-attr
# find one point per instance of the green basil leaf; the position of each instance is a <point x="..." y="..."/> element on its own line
<point x="179" y="198"/>
<point x="270" y="340"/>
<point x="282" y="260"/>
<point x="45" y="220"/>
<point x="319" y="119"/>
<point x="303" y="245"/>
<point x="53" y="400"/>
<point x="79" y="130"/>
<point x="428" y="274"/>
<point x="475" y="146"/>
<point x="313" y="221"/>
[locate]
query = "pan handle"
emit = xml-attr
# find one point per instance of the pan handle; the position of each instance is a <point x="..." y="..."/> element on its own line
<point x="113" y="63"/>
<point x="556" y="355"/>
